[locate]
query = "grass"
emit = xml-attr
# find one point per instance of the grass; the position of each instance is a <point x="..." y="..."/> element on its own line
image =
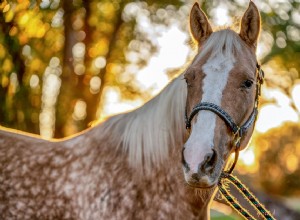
<point x="215" y="215"/>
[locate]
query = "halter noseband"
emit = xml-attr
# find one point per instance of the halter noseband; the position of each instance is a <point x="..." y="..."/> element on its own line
<point x="238" y="131"/>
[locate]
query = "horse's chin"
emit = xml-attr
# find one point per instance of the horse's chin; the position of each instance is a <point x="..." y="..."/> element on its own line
<point x="201" y="186"/>
<point x="205" y="182"/>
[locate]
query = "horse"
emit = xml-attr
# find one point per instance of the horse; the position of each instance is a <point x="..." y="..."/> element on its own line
<point x="143" y="164"/>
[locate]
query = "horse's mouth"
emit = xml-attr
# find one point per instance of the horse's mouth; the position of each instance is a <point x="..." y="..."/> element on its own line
<point x="201" y="186"/>
<point x="205" y="182"/>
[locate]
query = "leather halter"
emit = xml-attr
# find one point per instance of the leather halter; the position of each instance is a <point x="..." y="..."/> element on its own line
<point x="238" y="131"/>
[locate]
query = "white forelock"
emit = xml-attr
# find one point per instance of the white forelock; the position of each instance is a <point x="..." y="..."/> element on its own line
<point x="225" y="42"/>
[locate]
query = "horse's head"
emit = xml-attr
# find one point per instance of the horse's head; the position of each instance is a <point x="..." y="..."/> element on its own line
<point x="221" y="84"/>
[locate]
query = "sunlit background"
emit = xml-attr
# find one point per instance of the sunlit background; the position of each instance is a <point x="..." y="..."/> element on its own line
<point x="67" y="63"/>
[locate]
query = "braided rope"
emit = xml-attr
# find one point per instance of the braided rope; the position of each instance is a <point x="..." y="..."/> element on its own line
<point x="234" y="204"/>
<point x="248" y="195"/>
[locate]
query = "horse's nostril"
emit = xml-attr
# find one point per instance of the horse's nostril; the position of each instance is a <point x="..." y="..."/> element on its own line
<point x="208" y="163"/>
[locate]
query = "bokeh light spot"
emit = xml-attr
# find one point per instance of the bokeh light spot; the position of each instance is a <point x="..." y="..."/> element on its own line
<point x="100" y="62"/>
<point x="291" y="162"/>
<point x="95" y="84"/>
<point x="79" y="69"/>
<point x="248" y="156"/>
<point x="54" y="62"/>
<point x="78" y="50"/>
<point x="79" y="110"/>
<point x="281" y="42"/>
<point x="34" y="81"/>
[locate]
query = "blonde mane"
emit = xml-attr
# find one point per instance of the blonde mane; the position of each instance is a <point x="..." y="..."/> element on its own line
<point x="147" y="133"/>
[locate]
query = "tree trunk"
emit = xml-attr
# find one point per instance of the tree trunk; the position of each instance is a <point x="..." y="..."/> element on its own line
<point x="69" y="80"/>
<point x="76" y="87"/>
<point x="112" y="44"/>
<point x="16" y="108"/>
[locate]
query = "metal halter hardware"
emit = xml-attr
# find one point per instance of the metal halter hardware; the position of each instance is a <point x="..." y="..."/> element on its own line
<point x="238" y="131"/>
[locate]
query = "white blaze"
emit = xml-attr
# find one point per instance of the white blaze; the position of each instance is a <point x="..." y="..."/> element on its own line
<point x="200" y="142"/>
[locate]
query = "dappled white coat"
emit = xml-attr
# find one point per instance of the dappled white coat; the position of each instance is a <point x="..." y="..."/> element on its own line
<point x="126" y="168"/>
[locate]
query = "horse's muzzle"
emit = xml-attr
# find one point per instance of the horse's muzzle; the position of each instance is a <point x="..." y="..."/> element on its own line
<point x="201" y="176"/>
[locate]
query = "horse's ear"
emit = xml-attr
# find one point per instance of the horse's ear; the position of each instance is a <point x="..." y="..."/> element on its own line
<point x="250" y="25"/>
<point x="199" y="25"/>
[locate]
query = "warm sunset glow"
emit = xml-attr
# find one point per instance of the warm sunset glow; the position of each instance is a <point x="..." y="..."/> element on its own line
<point x="273" y="115"/>
<point x="68" y="66"/>
<point x="173" y="53"/>
<point x="292" y="162"/>
<point x="115" y="105"/>
<point x="247" y="156"/>
<point x="221" y="16"/>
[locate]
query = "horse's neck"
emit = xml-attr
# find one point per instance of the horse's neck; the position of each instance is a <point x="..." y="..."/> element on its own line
<point x="149" y="133"/>
<point x="151" y="139"/>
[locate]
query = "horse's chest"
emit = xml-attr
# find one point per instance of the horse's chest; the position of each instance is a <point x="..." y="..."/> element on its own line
<point x="125" y="199"/>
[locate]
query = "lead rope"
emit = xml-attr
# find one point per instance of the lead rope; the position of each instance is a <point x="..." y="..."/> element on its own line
<point x="247" y="194"/>
<point x="226" y="175"/>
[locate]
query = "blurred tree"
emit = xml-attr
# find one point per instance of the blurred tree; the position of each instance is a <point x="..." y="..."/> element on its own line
<point x="94" y="56"/>
<point x="59" y="55"/>
<point x="278" y="156"/>
<point x="17" y="104"/>
<point x="96" y="42"/>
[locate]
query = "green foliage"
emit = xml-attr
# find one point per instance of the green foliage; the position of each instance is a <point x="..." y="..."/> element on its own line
<point x="215" y="215"/>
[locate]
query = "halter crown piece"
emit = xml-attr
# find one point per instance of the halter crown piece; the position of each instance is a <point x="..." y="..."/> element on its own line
<point x="237" y="131"/>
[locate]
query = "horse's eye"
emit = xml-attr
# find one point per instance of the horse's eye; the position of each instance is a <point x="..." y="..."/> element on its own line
<point x="247" y="84"/>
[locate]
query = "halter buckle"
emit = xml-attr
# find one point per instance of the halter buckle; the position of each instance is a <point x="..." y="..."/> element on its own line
<point x="237" y="141"/>
<point x="237" y="138"/>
